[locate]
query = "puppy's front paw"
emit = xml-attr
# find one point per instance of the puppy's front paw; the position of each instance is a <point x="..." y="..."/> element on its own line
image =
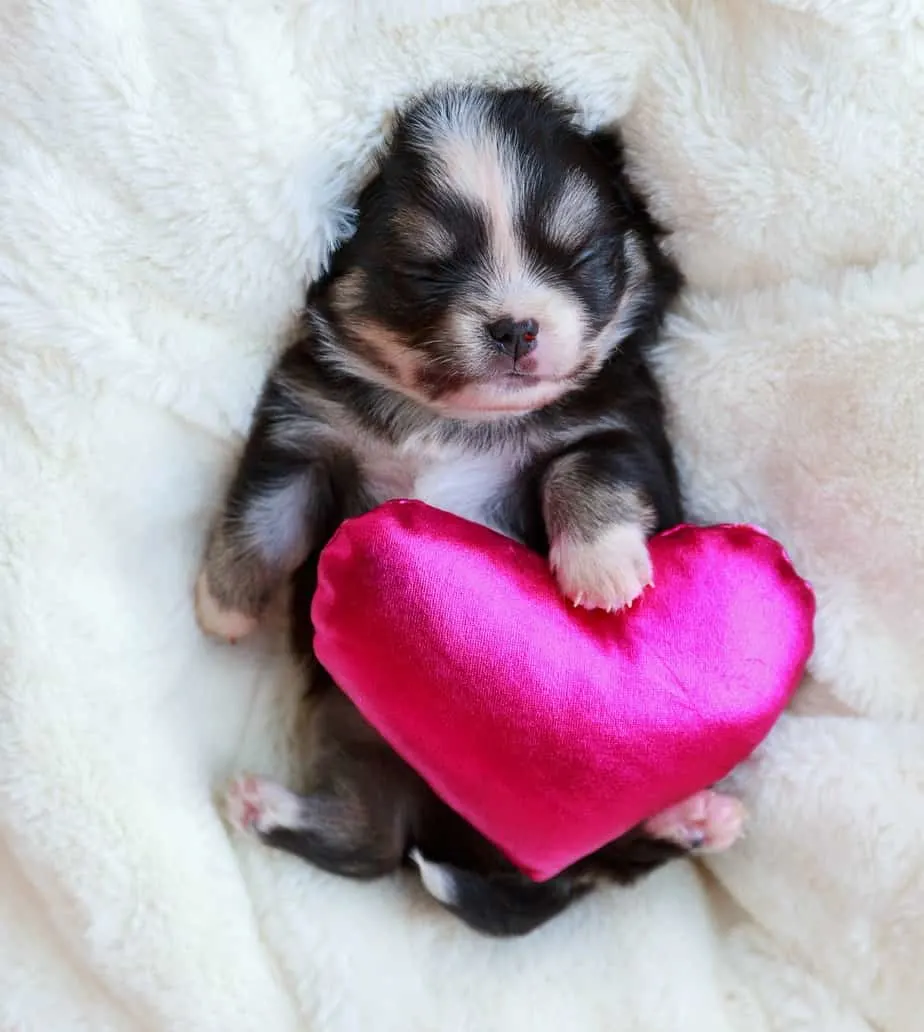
<point x="607" y="573"/>
<point x="708" y="822"/>
<point x="227" y="624"/>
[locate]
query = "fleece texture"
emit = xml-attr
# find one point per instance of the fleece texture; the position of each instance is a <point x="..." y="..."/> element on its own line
<point x="170" y="173"/>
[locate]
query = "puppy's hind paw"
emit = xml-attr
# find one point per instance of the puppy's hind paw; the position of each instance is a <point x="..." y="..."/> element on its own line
<point x="708" y="822"/>
<point x="226" y="624"/>
<point x="259" y="806"/>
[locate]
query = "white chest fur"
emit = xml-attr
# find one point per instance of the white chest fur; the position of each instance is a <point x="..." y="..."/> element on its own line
<point x="462" y="482"/>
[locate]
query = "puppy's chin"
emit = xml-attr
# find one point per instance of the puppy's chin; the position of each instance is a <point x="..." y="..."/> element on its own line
<point x="501" y="398"/>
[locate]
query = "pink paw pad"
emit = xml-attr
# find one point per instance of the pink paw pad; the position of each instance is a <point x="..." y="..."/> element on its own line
<point x="242" y="802"/>
<point x="257" y="805"/>
<point x="708" y="822"/>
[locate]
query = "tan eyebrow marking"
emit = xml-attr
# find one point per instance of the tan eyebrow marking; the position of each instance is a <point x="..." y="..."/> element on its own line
<point x="575" y="211"/>
<point x="422" y="232"/>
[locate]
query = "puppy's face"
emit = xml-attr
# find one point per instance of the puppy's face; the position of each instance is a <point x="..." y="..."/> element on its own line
<point x="493" y="268"/>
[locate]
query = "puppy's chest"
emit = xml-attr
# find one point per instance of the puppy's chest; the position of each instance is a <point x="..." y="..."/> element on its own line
<point x="484" y="487"/>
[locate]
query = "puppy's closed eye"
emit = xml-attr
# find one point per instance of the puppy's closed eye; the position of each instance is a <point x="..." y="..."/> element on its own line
<point x="590" y="252"/>
<point x="422" y="273"/>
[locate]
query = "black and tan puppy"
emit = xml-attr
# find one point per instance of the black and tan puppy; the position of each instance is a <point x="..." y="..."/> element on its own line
<point x="480" y="344"/>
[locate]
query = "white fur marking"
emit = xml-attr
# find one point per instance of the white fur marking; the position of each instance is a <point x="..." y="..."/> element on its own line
<point x="255" y="804"/>
<point x="448" y="477"/>
<point x="274" y="522"/>
<point x="607" y="573"/>
<point x="465" y="484"/>
<point x="477" y="164"/>
<point x="436" y="879"/>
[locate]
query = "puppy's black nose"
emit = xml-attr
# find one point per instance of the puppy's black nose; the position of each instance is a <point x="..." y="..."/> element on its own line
<point x="514" y="339"/>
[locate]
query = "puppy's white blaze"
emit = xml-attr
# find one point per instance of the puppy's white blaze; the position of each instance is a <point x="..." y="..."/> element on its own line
<point x="576" y="211"/>
<point x="274" y="522"/>
<point x="436" y="880"/>
<point x="474" y="162"/>
<point x="607" y="573"/>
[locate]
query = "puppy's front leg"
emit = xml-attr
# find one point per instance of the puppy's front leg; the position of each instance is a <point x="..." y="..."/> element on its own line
<point x="279" y="499"/>
<point x="601" y="502"/>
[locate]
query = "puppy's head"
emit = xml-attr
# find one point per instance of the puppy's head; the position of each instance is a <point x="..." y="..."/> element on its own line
<point x="499" y="256"/>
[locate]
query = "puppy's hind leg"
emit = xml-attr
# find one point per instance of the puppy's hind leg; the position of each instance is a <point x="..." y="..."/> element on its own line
<point x="338" y="827"/>
<point x="502" y="904"/>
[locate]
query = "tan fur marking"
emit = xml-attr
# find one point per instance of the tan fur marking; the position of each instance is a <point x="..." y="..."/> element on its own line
<point x="423" y="234"/>
<point x="349" y="292"/>
<point x="575" y="213"/>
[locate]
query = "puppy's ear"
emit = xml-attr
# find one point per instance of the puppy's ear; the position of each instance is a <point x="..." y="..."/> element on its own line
<point x="340" y="256"/>
<point x="371" y="191"/>
<point x="610" y="149"/>
<point x="666" y="276"/>
<point x="369" y="181"/>
<point x="367" y="187"/>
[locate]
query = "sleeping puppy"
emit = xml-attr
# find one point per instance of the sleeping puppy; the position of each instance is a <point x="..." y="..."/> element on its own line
<point x="479" y="344"/>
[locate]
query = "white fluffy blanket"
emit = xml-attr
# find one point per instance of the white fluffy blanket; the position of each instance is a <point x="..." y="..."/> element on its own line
<point x="170" y="172"/>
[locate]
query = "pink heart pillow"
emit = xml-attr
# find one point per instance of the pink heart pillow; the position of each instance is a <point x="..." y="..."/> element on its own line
<point x="553" y="729"/>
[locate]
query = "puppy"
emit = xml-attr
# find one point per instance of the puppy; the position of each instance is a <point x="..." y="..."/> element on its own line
<point x="480" y="344"/>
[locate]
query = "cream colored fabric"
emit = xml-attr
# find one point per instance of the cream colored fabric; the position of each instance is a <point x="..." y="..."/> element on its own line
<point x="169" y="173"/>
